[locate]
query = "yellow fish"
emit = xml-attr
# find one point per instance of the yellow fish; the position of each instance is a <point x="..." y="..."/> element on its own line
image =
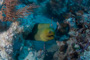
<point x="42" y="32"/>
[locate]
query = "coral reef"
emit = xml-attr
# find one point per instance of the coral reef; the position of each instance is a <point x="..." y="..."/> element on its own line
<point x="10" y="12"/>
<point x="86" y="55"/>
<point x="70" y="20"/>
<point x="6" y="45"/>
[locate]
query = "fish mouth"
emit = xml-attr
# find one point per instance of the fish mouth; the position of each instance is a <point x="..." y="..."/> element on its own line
<point x="50" y="36"/>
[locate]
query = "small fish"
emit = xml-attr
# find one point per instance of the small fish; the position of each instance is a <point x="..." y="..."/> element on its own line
<point x="41" y="32"/>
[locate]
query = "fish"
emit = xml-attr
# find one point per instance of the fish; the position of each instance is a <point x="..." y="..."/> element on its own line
<point x="42" y="32"/>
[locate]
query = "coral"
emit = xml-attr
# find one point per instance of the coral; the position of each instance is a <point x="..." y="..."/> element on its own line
<point x="11" y="14"/>
<point x="12" y="37"/>
<point x="1" y="2"/>
<point x="8" y="8"/>
<point x="86" y="55"/>
<point x="72" y="44"/>
<point x="31" y="54"/>
<point x="78" y="42"/>
<point x="1" y="17"/>
<point x="6" y="45"/>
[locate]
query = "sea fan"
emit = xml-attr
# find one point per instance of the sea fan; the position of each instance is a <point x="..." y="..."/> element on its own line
<point x="10" y="12"/>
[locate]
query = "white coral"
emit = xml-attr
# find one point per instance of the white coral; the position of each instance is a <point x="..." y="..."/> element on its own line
<point x="6" y="39"/>
<point x="86" y="55"/>
<point x="33" y="55"/>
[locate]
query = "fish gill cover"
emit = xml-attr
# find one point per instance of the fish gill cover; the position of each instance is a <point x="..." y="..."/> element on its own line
<point x="60" y="29"/>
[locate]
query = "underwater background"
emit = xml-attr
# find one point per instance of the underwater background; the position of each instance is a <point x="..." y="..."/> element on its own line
<point x="44" y="29"/>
